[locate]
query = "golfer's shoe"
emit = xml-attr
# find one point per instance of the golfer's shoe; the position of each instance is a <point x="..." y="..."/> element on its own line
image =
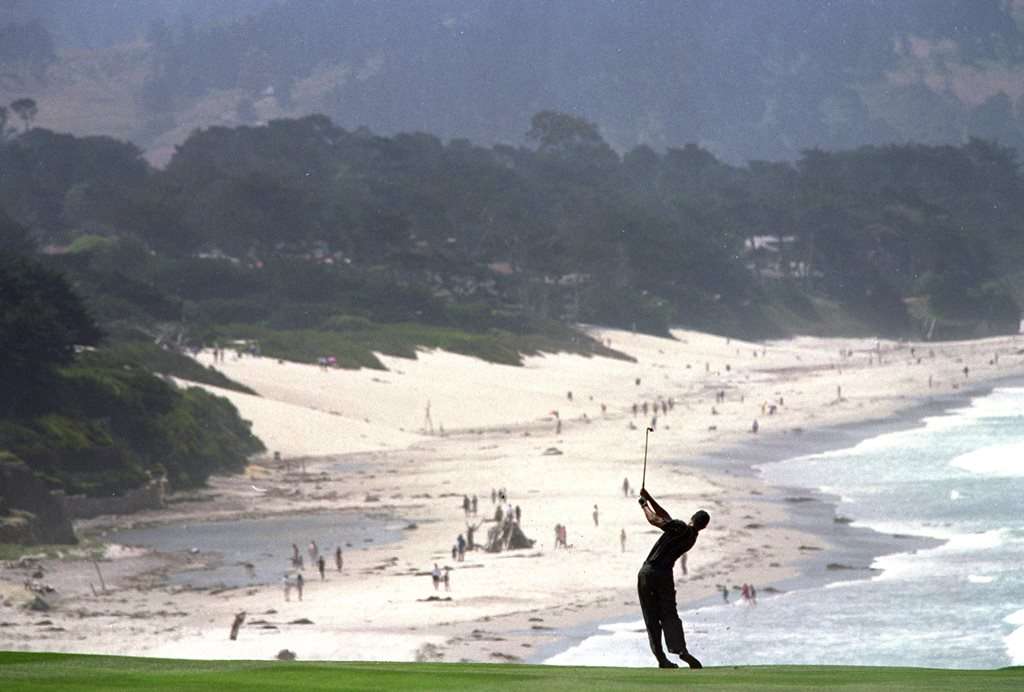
<point x="665" y="663"/>
<point x="690" y="660"/>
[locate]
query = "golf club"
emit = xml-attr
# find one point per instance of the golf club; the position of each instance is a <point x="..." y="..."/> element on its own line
<point x="644" y="479"/>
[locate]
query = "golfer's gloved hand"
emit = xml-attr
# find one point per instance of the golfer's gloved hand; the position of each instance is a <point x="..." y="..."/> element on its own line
<point x="644" y="495"/>
<point x="643" y="502"/>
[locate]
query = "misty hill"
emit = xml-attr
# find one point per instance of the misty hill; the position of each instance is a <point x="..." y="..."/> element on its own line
<point x="760" y="79"/>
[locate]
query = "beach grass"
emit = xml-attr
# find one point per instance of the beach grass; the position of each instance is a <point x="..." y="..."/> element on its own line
<point x="39" y="671"/>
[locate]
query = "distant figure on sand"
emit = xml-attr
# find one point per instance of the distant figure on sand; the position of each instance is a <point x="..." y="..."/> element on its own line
<point x="299" y="583"/>
<point x="470" y="528"/>
<point x="237" y="625"/>
<point x="436" y="575"/>
<point x="655" y="584"/>
<point x="287" y="583"/>
<point x="595" y="515"/>
<point x="625" y="487"/>
<point x="622" y="539"/>
<point x="755" y="427"/>
<point x="320" y="565"/>
<point x="338" y="560"/>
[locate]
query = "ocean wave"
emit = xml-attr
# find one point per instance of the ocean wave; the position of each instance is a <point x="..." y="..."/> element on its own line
<point x="1015" y="640"/>
<point x="994" y="460"/>
<point x="941" y="559"/>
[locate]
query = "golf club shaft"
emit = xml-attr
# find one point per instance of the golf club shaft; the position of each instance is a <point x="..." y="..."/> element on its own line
<point x="643" y="480"/>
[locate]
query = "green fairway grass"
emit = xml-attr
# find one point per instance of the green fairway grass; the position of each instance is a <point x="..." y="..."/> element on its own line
<point x="43" y="671"/>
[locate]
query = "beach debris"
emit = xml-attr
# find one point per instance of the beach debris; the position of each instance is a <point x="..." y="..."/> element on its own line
<point x="429" y="652"/>
<point x="505" y="657"/>
<point x="434" y="598"/>
<point x="372" y="498"/>
<point x="301" y="621"/>
<point x="285" y="655"/>
<point x="552" y="452"/>
<point x="410" y="526"/>
<point x="507" y="536"/>
<point x="38" y="604"/>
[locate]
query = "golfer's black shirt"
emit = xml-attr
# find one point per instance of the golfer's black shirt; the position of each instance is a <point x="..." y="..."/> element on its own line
<point x="676" y="539"/>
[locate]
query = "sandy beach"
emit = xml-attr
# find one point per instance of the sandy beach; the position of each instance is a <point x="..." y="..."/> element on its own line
<point x="559" y="434"/>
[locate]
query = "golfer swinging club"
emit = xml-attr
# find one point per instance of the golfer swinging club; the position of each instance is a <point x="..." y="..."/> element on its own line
<point x="655" y="583"/>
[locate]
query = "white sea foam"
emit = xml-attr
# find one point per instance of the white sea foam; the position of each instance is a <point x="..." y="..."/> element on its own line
<point x="625" y="644"/>
<point x="995" y="460"/>
<point x="939" y="560"/>
<point x="980" y="579"/>
<point x="1015" y="640"/>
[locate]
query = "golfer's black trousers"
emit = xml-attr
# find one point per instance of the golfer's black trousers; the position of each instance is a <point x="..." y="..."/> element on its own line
<point x="657" y="591"/>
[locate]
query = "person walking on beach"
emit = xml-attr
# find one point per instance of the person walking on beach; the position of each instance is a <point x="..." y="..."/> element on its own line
<point x="472" y="506"/>
<point x="320" y="565"/>
<point x="655" y="584"/>
<point x="287" y="583"/>
<point x="622" y="539"/>
<point x="470" y="529"/>
<point x="338" y="560"/>
<point x="625" y="487"/>
<point x="299" y="583"/>
<point x="436" y="576"/>
<point x="595" y="515"/>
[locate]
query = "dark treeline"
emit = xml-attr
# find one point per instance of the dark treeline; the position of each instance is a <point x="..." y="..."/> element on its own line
<point x="408" y="228"/>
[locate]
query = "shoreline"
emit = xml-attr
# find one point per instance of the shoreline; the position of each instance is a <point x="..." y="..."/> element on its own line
<point x="855" y="548"/>
<point x="501" y="421"/>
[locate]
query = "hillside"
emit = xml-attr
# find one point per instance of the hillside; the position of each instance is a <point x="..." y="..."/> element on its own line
<point x="748" y="81"/>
